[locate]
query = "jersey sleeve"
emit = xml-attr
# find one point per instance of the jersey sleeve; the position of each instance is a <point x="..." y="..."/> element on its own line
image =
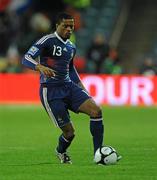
<point x="31" y="57"/>
<point x="73" y="73"/>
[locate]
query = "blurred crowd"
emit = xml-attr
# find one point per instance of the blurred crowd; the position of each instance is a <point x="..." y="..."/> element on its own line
<point x="23" y="22"/>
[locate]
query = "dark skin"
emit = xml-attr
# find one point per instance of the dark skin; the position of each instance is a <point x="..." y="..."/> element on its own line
<point x="64" y="29"/>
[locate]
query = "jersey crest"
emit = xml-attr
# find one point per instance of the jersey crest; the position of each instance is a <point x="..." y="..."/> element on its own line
<point x="33" y="50"/>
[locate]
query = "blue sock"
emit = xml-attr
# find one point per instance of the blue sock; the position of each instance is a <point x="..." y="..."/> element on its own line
<point x="97" y="131"/>
<point x="63" y="143"/>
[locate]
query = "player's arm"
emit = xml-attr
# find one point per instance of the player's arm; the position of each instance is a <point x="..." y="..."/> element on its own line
<point x="75" y="76"/>
<point x="30" y="60"/>
<point x="44" y="70"/>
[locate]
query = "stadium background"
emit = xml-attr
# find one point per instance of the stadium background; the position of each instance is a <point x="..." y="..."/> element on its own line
<point x="125" y="85"/>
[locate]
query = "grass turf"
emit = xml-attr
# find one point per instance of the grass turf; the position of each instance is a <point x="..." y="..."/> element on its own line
<point x="28" y="139"/>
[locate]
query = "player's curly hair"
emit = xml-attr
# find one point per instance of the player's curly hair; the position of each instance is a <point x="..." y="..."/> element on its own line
<point x="61" y="16"/>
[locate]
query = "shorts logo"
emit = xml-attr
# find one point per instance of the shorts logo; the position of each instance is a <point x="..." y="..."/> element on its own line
<point x="60" y="120"/>
<point x="33" y="50"/>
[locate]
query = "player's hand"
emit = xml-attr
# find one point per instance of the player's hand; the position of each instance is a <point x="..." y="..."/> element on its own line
<point x="45" y="70"/>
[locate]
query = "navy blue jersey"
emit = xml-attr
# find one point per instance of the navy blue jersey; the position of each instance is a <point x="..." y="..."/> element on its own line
<point x="60" y="93"/>
<point x="53" y="52"/>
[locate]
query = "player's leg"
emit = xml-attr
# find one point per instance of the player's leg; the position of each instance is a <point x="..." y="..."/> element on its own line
<point x="90" y="108"/>
<point x="82" y="102"/>
<point x="65" y="138"/>
<point x="64" y="142"/>
<point x="59" y="115"/>
<point x="63" y="122"/>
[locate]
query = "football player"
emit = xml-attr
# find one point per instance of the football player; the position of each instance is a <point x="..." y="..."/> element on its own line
<point x="61" y="89"/>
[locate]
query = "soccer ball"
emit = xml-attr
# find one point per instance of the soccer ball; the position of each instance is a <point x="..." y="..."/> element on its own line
<point x="106" y="155"/>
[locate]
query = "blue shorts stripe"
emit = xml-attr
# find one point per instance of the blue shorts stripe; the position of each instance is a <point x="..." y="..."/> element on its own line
<point x="48" y="107"/>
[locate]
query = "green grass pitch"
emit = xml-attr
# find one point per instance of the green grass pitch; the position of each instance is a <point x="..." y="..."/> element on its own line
<point x="28" y="139"/>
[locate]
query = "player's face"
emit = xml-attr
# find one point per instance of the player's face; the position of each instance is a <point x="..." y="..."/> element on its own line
<point x="65" y="28"/>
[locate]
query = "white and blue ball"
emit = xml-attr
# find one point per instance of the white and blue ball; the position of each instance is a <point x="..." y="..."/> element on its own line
<point x="106" y="155"/>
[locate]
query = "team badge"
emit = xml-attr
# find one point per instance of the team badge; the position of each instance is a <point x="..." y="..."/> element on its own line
<point x="33" y="50"/>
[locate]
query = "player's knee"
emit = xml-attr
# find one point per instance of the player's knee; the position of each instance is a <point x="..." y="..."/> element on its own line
<point x="96" y="112"/>
<point x="69" y="134"/>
